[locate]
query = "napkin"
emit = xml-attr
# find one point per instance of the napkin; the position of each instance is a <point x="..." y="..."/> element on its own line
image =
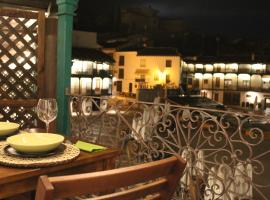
<point x="85" y="146"/>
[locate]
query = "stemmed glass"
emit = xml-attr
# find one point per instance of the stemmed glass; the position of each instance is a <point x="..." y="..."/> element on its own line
<point x="47" y="111"/>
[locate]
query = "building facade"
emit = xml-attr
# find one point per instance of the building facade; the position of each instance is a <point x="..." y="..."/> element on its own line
<point x="237" y="83"/>
<point x="91" y="72"/>
<point x="146" y="68"/>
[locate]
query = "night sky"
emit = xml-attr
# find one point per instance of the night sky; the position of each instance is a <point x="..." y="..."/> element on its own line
<point x="231" y="17"/>
<point x="227" y="17"/>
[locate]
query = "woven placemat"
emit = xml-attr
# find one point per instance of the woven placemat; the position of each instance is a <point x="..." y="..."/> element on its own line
<point x="70" y="153"/>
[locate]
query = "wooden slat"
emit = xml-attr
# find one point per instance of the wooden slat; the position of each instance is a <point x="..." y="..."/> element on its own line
<point x="18" y="13"/>
<point x="40" y="54"/>
<point x="135" y="193"/>
<point x="19" y="102"/>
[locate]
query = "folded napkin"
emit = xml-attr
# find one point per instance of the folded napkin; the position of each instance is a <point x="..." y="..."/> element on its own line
<point x="88" y="146"/>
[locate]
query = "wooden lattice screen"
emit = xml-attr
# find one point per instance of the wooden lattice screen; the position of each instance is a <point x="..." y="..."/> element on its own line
<point x="21" y="64"/>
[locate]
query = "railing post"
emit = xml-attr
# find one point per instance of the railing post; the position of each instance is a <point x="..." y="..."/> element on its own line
<point x="64" y="45"/>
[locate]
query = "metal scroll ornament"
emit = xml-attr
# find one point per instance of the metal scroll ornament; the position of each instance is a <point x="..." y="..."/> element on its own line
<point x="226" y="152"/>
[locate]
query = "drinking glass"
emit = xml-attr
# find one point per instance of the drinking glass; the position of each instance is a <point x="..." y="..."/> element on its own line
<point x="47" y="111"/>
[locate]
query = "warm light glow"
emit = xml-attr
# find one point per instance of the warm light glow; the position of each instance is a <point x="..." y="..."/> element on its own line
<point x="74" y="85"/>
<point x="105" y="83"/>
<point x="114" y="79"/>
<point x="232" y="66"/>
<point x="207" y="75"/>
<point x="85" y="84"/>
<point x="190" y="66"/>
<point x="266" y="79"/>
<point x="222" y="65"/>
<point x="162" y="76"/>
<point x="231" y="75"/>
<point x="97" y="83"/>
<point x="106" y="66"/>
<point x="209" y="67"/>
<point x="258" y="66"/>
<point x="199" y="66"/>
<point x="244" y="76"/>
<point x="218" y="75"/>
<point x="198" y="75"/>
<point x="99" y="66"/>
<point x="76" y="67"/>
<point x="252" y="96"/>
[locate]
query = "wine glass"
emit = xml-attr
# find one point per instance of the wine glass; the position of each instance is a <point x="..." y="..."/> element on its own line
<point x="47" y="111"/>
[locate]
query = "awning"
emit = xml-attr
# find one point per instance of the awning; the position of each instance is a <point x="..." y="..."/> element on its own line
<point x="142" y="71"/>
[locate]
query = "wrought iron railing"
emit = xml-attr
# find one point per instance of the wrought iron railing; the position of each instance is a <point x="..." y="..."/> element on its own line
<point x="226" y="153"/>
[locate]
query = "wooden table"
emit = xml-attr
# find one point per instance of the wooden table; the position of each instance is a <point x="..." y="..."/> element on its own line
<point x="15" y="181"/>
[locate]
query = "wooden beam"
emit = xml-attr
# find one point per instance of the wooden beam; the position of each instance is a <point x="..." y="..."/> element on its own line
<point x="38" y="4"/>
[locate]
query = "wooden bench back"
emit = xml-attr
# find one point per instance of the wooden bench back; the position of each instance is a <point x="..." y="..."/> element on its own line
<point x="162" y="174"/>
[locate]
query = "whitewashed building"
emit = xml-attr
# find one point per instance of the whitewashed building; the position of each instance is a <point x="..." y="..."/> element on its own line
<point x="146" y="68"/>
<point x="241" y="82"/>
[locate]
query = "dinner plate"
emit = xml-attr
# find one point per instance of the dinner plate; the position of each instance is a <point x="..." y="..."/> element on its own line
<point x="7" y="128"/>
<point x="35" y="142"/>
<point x="9" y="150"/>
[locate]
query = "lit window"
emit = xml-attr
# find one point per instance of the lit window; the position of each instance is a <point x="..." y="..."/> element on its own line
<point x="156" y="78"/>
<point x="121" y="73"/>
<point x="216" y="97"/>
<point x="227" y="82"/>
<point x="121" y="61"/>
<point x="217" y="82"/>
<point x="142" y="63"/>
<point x="168" y="63"/>
<point x="189" y="81"/>
<point x="168" y="78"/>
<point x="246" y="83"/>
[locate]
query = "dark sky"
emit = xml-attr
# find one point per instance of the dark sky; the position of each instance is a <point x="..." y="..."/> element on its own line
<point x="249" y="18"/>
<point x="231" y="17"/>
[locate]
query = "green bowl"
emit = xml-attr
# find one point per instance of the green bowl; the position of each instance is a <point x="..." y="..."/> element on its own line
<point x="35" y="142"/>
<point x="7" y="128"/>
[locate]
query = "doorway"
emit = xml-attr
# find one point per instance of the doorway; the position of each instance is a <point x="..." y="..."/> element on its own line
<point x="119" y="86"/>
<point x="130" y="88"/>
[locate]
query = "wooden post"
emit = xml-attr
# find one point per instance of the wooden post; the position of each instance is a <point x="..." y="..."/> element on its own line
<point x="64" y="45"/>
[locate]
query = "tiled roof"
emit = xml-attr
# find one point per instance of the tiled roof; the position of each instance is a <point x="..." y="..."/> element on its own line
<point x="91" y="54"/>
<point x="244" y="59"/>
<point x="158" y="51"/>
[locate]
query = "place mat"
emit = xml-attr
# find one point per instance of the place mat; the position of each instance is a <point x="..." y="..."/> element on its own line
<point x="10" y="151"/>
<point x="70" y="153"/>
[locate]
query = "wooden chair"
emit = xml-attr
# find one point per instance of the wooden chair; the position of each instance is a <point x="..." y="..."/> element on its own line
<point x="160" y="180"/>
